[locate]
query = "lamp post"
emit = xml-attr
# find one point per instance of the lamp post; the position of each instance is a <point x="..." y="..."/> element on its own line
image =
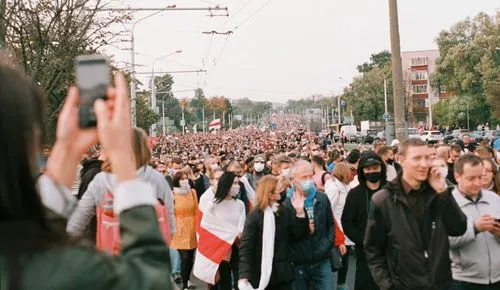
<point x="153" y="90"/>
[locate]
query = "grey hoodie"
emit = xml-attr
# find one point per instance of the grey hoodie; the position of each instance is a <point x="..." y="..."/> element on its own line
<point x="106" y="182"/>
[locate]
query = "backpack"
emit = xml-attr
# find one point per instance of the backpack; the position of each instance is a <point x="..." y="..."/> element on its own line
<point x="108" y="225"/>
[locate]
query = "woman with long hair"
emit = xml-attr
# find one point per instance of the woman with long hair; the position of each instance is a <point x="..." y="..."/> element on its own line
<point x="490" y="176"/>
<point x="35" y="251"/>
<point x="185" y="208"/>
<point x="337" y="189"/>
<point x="265" y="248"/>
<point x="225" y="212"/>
<point x="105" y="181"/>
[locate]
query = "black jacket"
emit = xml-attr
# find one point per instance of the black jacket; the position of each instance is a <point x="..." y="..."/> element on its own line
<point x="399" y="255"/>
<point x="90" y="168"/>
<point x="289" y="228"/>
<point x="318" y="246"/>
<point x="355" y="214"/>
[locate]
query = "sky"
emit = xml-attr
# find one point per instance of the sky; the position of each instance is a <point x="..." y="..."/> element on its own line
<point x="279" y="49"/>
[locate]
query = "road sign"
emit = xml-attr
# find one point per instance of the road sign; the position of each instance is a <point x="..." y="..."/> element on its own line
<point x="387" y="117"/>
<point x="183" y="123"/>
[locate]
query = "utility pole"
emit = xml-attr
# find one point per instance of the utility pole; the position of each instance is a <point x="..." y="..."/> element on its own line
<point x="397" y="74"/>
<point x="3" y="32"/>
<point x="133" y="93"/>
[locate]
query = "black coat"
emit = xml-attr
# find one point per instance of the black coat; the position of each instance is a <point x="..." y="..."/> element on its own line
<point x="289" y="228"/>
<point x="399" y="254"/>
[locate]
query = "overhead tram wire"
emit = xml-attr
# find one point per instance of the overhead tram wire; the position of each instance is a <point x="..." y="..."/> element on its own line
<point x="252" y="15"/>
<point x="236" y="12"/>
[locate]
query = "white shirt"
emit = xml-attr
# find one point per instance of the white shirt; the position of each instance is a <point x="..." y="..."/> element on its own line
<point x="391" y="172"/>
<point x="337" y="194"/>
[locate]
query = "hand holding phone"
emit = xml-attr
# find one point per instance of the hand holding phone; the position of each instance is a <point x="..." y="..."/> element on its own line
<point x="93" y="79"/>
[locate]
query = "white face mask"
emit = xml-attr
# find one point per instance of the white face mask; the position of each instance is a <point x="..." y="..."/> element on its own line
<point x="259" y="167"/>
<point x="184" y="183"/>
<point x="235" y="189"/>
<point x="443" y="171"/>
<point x="285" y="172"/>
<point x="215" y="166"/>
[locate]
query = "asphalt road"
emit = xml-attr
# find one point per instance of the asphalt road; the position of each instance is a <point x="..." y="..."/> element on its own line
<point x="350" y="277"/>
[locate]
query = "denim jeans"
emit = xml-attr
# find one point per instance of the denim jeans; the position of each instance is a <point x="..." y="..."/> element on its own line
<point x="175" y="261"/>
<point x="320" y="274"/>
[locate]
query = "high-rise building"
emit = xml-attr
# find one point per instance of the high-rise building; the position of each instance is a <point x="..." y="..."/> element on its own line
<point x="418" y="66"/>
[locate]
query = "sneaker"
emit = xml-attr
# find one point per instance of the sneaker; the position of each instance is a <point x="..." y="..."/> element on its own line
<point x="342" y="287"/>
<point x="191" y="285"/>
<point x="177" y="278"/>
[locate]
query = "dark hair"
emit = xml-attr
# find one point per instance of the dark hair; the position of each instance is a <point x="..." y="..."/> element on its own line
<point x="455" y="148"/>
<point x="22" y="119"/>
<point x="353" y="156"/>
<point x="383" y="150"/>
<point x="412" y="142"/>
<point x="468" y="158"/>
<point x="320" y="161"/>
<point x="177" y="178"/>
<point x="224" y="186"/>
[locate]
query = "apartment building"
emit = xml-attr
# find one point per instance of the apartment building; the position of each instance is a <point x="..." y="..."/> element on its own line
<point x="418" y="66"/>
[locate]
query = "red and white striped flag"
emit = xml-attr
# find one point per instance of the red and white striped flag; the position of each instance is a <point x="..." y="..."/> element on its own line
<point x="214" y="125"/>
<point x="215" y="239"/>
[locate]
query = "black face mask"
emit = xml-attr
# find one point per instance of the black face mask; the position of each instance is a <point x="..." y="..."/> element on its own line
<point x="390" y="161"/>
<point x="373" y="177"/>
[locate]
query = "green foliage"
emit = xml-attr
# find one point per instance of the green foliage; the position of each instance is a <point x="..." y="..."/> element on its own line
<point x="365" y="95"/>
<point x="453" y="111"/>
<point x="377" y="60"/>
<point x="469" y="64"/>
<point x="145" y="115"/>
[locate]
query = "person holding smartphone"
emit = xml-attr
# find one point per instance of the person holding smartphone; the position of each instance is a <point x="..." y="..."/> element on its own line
<point x="410" y="219"/>
<point x="35" y="251"/>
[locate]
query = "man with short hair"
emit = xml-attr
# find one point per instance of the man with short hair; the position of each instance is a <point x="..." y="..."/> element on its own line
<point x="312" y="254"/>
<point x="285" y="164"/>
<point x="386" y="153"/>
<point x="410" y="219"/>
<point x="455" y="152"/>
<point x="476" y="254"/>
<point x="468" y="146"/>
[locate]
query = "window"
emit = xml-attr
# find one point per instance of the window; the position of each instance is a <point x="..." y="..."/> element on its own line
<point x="420" y="103"/>
<point x="419" y="61"/>
<point x="421" y="89"/>
<point x="419" y="75"/>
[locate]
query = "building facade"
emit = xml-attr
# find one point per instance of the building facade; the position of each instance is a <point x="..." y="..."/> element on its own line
<point x="418" y="66"/>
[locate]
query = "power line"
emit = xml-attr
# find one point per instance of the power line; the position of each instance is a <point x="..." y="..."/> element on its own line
<point x="236" y="12"/>
<point x="252" y="15"/>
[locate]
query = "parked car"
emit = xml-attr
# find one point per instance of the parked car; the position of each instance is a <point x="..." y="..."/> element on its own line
<point x="492" y="135"/>
<point x="353" y="137"/>
<point x="432" y="136"/>
<point x="369" y="136"/>
<point x="413" y="133"/>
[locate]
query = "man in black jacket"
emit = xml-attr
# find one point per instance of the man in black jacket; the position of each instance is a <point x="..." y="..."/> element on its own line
<point x="406" y="241"/>
<point x="372" y="177"/>
<point x="312" y="254"/>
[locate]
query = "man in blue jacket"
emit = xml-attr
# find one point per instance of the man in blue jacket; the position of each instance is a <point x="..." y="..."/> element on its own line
<point x="312" y="255"/>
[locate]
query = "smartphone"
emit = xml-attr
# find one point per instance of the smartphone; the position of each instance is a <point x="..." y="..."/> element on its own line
<point x="92" y="79"/>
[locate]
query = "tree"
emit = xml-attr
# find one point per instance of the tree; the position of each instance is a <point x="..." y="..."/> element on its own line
<point x="145" y="115"/>
<point x="377" y="60"/>
<point x="197" y="105"/>
<point x="365" y="95"/>
<point x="469" y="65"/>
<point x="45" y="36"/>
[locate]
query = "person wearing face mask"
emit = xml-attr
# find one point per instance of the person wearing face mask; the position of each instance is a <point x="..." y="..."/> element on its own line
<point x="312" y="254"/>
<point x="372" y="177"/>
<point x="387" y="155"/>
<point x="269" y="231"/>
<point x="185" y="209"/>
<point x="409" y="222"/>
<point x="259" y="170"/>
<point x="222" y="217"/>
<point x="285" y="165"/>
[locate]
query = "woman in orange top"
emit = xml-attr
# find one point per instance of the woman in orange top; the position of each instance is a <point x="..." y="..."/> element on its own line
<point x="185" y="208"/>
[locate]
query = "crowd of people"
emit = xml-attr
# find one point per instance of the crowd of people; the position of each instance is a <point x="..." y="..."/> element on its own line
<point x="241" y="209"/>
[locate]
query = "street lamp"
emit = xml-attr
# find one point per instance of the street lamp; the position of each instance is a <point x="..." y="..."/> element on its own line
<point x="153" y="93"/>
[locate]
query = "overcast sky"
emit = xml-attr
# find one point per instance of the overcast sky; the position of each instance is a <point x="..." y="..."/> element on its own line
<point x="288" y="49"/>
